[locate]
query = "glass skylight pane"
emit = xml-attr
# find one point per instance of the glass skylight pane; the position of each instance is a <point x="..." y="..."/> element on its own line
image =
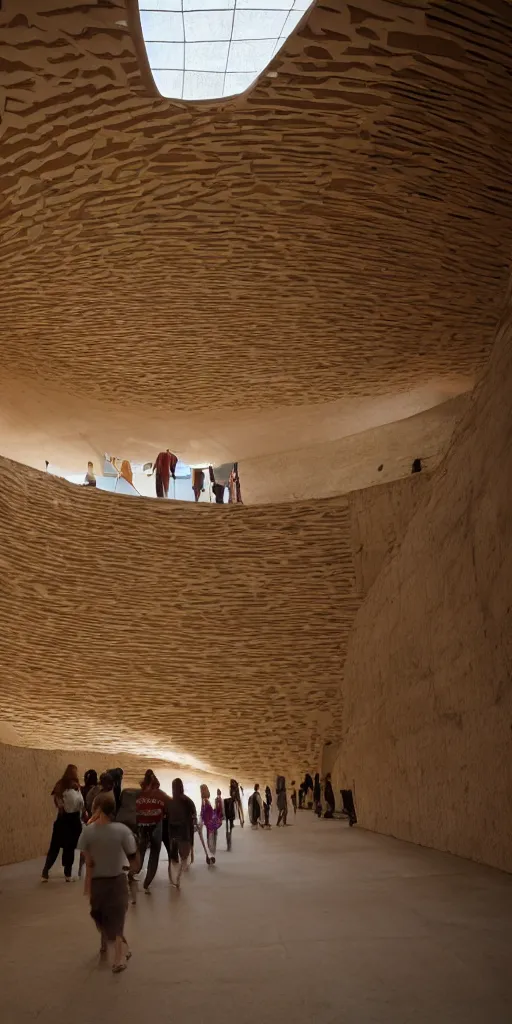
<point x="202" y="86"/>
<point x="188" y="49"/>
<point x="208" y="5"/>
<point x="250" y="55"/>
<point x="291" y="22"/>
<point x="160" y="5"/>
<point x="206" y="56"/>
<point x="237" y="82"/>
<point x="165" y="27"/>
<point x="208" y="25"/>
<point x="165" y="55"/>
<point x="265" y="5"/>
<point x="279" y="43"/>
<point x="258" y="24"/>
<point x="169" y="83"/>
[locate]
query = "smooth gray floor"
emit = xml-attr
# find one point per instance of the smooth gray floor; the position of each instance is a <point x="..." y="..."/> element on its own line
<point x="312" y="923"/>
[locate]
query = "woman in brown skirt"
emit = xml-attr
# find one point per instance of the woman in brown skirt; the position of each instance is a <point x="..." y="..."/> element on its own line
<point x="107" y="846"/>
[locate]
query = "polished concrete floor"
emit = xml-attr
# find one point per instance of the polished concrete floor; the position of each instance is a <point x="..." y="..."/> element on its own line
<point x="315" y="922"/>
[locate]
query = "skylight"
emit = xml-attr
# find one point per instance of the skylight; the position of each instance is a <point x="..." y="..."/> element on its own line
<point x="207" y="49"/>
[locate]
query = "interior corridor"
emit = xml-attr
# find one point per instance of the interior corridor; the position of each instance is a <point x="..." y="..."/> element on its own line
<point x="315" y="922"/>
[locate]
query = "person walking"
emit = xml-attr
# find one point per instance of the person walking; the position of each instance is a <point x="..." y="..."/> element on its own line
<point x="294" y="798"/>
<point x="107" y="846"/>
<point x="209" y="819"/>
<point x="329" y="797"/>
<point x="234" y="792"/>
<point x="182" y="819"/>
<point x="229" y="815"/>
<point x="267" y="806"/>
<point x="282" y="801"/>
<point x="127" y="815"/>
<point x="317" y="796"/>
<point x="116" y="774"/>
<point x="150" y="807"/>
<point x="219" y="807"/>
<point x="90" y="782"/>
<point x="307" y="786"/>
<point x="67" y="825"/>
<point x="105" y="785"/>
<point x="256" y="811"/>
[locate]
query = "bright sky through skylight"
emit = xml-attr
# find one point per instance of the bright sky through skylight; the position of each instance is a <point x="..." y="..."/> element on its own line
<point x="206" y="49"/>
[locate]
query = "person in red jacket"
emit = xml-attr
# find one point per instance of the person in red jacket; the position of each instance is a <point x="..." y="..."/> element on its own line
<point x="150" y="808"/>
<point x="165" y="468"/>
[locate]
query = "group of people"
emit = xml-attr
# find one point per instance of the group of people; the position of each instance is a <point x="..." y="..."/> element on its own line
<point x="139" y="819"/>
<point x="260" y="806"/>
<point x="318" y="795"/>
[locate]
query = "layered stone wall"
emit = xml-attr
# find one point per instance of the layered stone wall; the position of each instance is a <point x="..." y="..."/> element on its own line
<point x="213" y="636"/>
<point x="427" y="737"/>
<point x="379" y="517"/>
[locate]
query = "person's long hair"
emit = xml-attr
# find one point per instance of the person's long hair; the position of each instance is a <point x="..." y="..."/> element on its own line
<point x="69" y="780"/>
<point x="150" y="780"/>
<point x="106" y="782"/>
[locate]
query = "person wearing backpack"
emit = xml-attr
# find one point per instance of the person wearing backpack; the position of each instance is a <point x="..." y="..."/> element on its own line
<point x="256" y="809"/>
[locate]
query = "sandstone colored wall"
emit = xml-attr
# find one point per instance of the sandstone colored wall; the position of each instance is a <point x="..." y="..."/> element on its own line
<point x="428" y="676"/>
<point x="214" y="635"/>
<point x="26" y="808"/>
<point x="355" y="462"/>
<point x="379" y="517"/>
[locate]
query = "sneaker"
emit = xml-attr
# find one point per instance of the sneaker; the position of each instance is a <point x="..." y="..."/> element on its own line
<point x="45" y="878"/>
<point x="70" y="879"/>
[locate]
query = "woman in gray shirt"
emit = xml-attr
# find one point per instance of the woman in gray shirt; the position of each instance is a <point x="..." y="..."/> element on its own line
<point x="107" y="847"/>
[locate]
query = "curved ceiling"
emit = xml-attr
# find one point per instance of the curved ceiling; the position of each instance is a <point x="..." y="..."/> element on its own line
<point x="338" y="235"/>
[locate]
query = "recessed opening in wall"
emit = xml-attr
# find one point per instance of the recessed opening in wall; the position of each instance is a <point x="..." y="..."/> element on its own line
<point x="209" y="49"/>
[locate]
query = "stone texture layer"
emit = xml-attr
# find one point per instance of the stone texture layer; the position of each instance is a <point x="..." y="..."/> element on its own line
<point x="216" y="633"/>
<point x="342" y="230"/>
<point x="428" y="694"/>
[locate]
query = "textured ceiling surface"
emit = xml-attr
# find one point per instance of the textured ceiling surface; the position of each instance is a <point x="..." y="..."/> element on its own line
<point x="342" y="230"/>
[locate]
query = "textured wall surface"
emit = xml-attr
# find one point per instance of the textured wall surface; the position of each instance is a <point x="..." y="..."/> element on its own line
<point x="26" y="808"/>
<point x="216" y="634"/>
<point x="379" y="517"/>
<point x="428" y="677"/>
<point x="212" y="636"/>
<point x="323" y="469"/>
